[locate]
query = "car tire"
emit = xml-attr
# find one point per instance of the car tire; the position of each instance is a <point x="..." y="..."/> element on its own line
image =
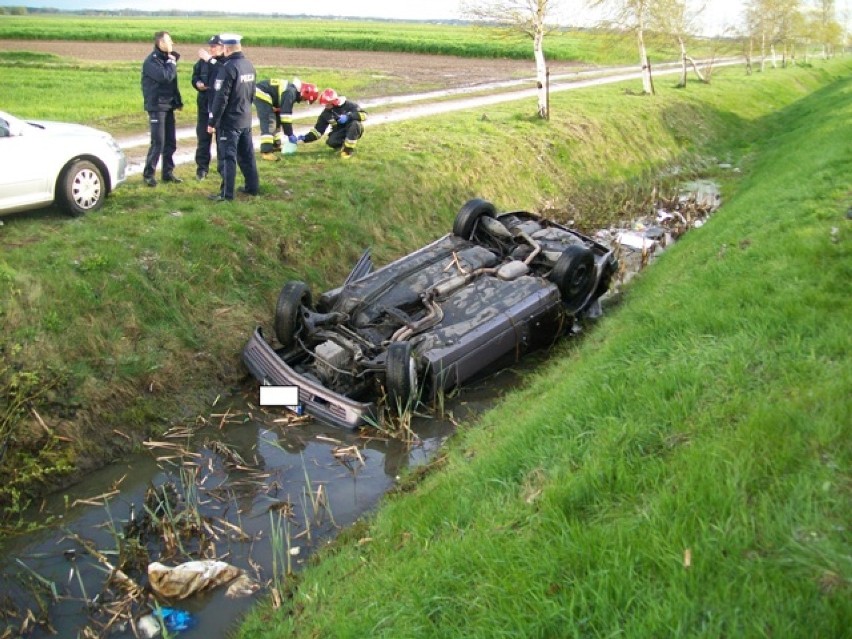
<point x="81" y="188"/>
<point x="288" y="311"/>
<point x="574" y="276"/>
<point x="469" y="215"/>
<point x="401" y="376"/>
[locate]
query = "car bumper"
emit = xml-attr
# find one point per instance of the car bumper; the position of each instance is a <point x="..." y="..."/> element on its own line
<point x="269" y="369"/>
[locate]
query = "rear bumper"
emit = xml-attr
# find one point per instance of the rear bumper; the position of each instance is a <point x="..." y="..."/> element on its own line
<point x="268" y="368"/>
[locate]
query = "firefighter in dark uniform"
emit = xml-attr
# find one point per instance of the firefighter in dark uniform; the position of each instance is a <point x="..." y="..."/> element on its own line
<point x="203" y="76"/>
<point x="230" y="118"/>
<point x="345" y="118"/>
<point x="162" y="97"/>
<point x="274" y="100"/>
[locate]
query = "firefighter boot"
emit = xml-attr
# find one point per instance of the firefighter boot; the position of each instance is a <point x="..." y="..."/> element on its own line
<point x="270" y="157"/>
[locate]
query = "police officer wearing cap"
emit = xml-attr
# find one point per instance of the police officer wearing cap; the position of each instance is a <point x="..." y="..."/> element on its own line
<point x="203" y="76"/>
<point x="230" y="119"/>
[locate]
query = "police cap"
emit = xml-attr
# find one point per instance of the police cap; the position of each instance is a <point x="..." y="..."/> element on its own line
<point x="214" y="40"/>
<point x="230" y="39"/>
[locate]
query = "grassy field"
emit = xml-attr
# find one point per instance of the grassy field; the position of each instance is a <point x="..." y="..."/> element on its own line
<point x="682" y="472"/>
<point x="342" y="35"/>
<point x="113" y="97"/>
<point x="134" y="316"/>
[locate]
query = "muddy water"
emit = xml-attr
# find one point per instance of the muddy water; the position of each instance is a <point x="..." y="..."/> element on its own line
<point x="276" y="464"/>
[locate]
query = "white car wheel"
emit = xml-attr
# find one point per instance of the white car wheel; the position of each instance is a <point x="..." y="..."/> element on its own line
<point x="81" y="188"/>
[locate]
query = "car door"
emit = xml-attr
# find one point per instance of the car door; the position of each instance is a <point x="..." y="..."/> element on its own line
<point x="25" y="177"/>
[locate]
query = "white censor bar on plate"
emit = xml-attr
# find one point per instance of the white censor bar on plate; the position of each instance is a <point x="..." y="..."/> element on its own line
<point x="279" y="396"/>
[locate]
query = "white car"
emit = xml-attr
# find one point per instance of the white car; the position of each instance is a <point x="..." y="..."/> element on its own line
<point x="73" y="165"/>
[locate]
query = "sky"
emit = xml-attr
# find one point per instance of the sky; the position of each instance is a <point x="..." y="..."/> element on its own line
<point x="717" y="15"/>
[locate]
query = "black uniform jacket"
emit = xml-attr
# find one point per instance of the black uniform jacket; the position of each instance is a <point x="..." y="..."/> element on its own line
<point x="289" y="97"/>
<point x="270" y="91"/>
<point x="159" y="83"/>
<point x="201" y="73"/>
<point x="234" y="86"/>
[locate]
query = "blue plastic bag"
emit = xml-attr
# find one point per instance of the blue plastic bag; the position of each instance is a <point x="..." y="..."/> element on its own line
<point x="176" y="620"/>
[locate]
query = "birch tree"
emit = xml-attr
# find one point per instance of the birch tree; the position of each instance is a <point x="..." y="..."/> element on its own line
<point x="635" y="16"/>
<point x="772" y="23"/>
<point x="528" y="17"/>
<point x="676" y="19"/>
<point x="829" y="30"/>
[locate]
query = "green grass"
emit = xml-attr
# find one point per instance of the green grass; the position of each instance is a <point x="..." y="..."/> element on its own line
<point x="113" y="100"/>
<point x="137" y="314"/>
<point x="342" y="35"/>
<point x="708" y="414"/>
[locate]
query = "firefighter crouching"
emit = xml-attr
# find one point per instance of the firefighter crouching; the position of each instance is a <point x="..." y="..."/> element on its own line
<point x="345" y="118"/>
<point x="274" y="100"/>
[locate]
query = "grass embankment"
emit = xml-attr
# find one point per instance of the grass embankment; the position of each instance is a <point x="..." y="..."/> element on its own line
<point x="342" y="35"/>
<point x="684" y="471"/>
<point x="127" y="318"/>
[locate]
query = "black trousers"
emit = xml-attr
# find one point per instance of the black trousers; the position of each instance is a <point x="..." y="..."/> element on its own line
<point x="270" y="127"/>
<point x="202" y="149"/>
<point x="163" y="143"/>
<point x="237" y="148"/>
<point x="346" y="136"/>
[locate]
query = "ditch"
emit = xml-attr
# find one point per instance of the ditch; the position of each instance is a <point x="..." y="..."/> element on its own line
<point x="257" y="489"/>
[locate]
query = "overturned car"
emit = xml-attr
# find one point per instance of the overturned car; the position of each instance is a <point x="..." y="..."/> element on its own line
<point x="499" y="285"/>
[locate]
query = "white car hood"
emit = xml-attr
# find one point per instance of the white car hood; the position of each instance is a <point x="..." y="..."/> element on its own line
<point x="62" y="128"/>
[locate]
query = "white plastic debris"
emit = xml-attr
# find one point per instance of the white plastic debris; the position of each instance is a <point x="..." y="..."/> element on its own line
<point x="148" y="627"/>
<point x="635" y="241"/>
<point x="188" y="578"/>
<point x="242" y="586"/>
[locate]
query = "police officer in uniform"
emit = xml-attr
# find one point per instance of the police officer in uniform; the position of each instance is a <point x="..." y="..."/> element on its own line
<point x="162" y="97"/>
<point x="230" y="119"/>
<point x="203" y="76"/>
<point x="274" y="100"/>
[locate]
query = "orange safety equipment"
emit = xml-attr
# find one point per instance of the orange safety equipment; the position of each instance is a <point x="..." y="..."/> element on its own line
<point x="329" y="97"/>
<point x="309" y="92"/>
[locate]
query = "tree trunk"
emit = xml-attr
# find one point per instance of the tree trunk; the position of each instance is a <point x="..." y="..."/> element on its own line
<point x="749" y="53"/>
<point x="540" y="73"/>
<point x="705" y="80"/>
<point x="647" y="87"/>
<point x="683" y="58"/>
<point x="774" y="55"/>
<point x="762" y="52"/>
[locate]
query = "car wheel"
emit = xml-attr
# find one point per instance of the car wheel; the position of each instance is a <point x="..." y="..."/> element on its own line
<point x="81" y="188"/>
<point x="401" y="375"/>
<point x="468" y="216"/>
<point x="288" y="311"/>
<point x="574" y="276"/>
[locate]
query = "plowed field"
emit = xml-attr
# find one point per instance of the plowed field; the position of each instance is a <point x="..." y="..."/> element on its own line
<point x="407" y="68"/>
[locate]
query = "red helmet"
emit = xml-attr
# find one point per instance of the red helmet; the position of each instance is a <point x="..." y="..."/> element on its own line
<point x="329" y="97"/>
<point x="309" y="92"/>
